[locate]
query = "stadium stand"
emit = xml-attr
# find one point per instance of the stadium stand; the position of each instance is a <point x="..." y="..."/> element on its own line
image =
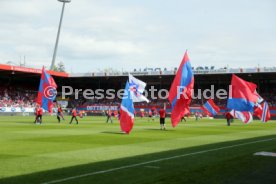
<point x="17" y="97"/>
<point x="19" y="85"/>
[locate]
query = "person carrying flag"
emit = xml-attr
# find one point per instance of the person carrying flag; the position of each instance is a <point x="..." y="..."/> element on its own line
<point x="60" y="113"/>
<point x="162" y="113"/>
<point x="35" y="112"/>
<point x="74" y="115"/>
<point x="39" y="113"/>
<point x="183" y="118"/>
<point x="228" y="117"/>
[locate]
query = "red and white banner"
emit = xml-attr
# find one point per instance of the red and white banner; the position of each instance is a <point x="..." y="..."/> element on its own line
<point x="245" y="117"/>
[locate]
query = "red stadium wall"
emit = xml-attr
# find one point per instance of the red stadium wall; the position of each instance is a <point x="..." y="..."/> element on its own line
<point x="31" y="70"/>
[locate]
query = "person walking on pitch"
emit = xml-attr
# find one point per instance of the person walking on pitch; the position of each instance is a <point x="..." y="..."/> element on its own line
<point x="108" y="116"/>
<point x="162" y="113"/>
<point x="38" y="113"/>
<point x="35" y="112"/>
<point x="197" y="116"/>
<point x="228" y="117"/>
<point x="74" y="116"/>
<point x="183" y="118"/>
<point x="151" y="115"/>
<point x="60" y="113"/>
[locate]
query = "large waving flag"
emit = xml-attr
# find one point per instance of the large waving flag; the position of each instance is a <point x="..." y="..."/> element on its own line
<point x="127" y="111"/>
<point x="262" y="112"/>
<point x="210" y="108"/>
<point x="180" y="95"/>
<point x="137" y="88"/>
<point x="47" y="91"/>
<point x="245" y="117"/>
<point x="243" y="96"/>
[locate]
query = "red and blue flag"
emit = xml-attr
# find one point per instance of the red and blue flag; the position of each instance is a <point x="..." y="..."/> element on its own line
<point x="180" y="95"/>
<point x="127" y="111"/>
<point x="242" y="96"/>
<point x="47" y="91"/>
<point x="210" y="108"/>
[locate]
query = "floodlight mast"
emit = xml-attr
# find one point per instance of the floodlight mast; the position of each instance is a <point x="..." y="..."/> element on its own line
<point x="58" y="33"/>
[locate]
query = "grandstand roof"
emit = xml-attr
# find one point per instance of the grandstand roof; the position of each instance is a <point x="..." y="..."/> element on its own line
<point x="152" y="72"/>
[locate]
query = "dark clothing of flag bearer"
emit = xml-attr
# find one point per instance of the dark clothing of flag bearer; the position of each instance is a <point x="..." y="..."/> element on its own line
<point x="35" y="112"/>
<point x="38" y="113"/>
<point x="162" y="113"/>
<point x="60" y="114"/>
<point x="74" y="116"/>
<point x="228" y="118"/>
<point x="183" y="118"/>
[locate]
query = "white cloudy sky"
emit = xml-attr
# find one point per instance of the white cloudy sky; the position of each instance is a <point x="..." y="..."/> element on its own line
<point x="127" y="34"/>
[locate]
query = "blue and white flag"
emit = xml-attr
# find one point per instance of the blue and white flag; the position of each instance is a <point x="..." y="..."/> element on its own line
<point x="137" y="88"/>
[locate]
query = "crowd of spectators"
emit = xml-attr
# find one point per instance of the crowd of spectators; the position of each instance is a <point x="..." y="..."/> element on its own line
<point x="17" y="97"/>
<point x="22" y="97"/>
<point x="270" y="98"/>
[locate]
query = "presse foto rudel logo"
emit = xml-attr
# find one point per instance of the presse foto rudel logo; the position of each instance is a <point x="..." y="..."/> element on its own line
<point x="50" y="92"/>
<point x="152" y="92"/>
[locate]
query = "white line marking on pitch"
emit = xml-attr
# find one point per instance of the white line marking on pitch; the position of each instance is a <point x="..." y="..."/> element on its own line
<point x="152" y="161"/>
<point x="264" y="153"/>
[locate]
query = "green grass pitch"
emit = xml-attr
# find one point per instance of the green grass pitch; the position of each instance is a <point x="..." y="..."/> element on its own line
<point x="206" y="151"/>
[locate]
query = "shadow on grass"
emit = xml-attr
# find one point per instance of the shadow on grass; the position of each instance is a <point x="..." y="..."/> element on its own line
<point x="226" y="162"/>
